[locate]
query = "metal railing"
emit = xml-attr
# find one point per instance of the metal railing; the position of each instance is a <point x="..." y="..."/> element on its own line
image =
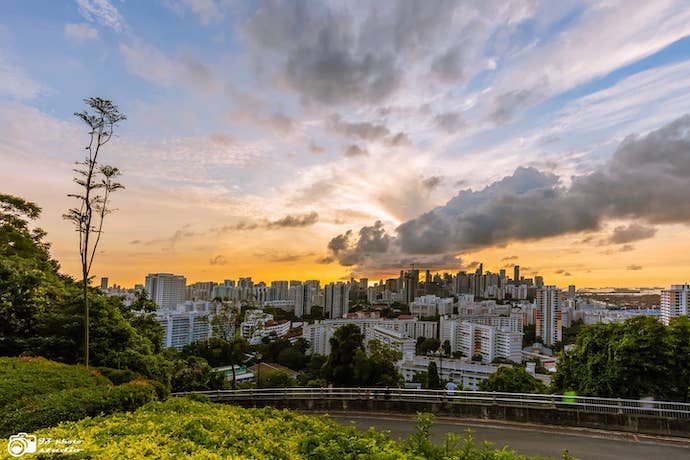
<point x="584" y="404"/>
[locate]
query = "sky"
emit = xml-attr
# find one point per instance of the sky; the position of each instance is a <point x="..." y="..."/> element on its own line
<point x="330" y="139"/>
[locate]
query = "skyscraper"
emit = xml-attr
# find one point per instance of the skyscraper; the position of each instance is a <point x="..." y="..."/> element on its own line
<point x="674" y="302"/>
<point x="548" y="315"/>
<point x="104" y="284"/>
<point x="166" y="289"/>
<point x="516" y="274"/>
<point x="337" y="299"/>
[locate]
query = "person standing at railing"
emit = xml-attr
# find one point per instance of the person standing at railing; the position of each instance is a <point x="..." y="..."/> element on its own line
<point x="451" y="387"/>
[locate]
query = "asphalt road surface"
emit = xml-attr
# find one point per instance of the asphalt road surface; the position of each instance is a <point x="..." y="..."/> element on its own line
<point x="532" y="441"/>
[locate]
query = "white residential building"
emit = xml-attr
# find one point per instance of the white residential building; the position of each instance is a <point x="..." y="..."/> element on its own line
<point x="431" y="305"/>
<point x="470" y="375"/>
<point x="166" y="289"/>
<point x="319" y="333"/>
<point x="337" y="298"/>
<point x="548" y="315"/>
<point x="480" y="339"/>
<point x="392" y="339"/>
<point x="674" y="302"/>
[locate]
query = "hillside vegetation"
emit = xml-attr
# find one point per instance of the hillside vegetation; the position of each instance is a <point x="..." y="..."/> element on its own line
<point x="37" y="393"/>
<point x="183" y="428"/>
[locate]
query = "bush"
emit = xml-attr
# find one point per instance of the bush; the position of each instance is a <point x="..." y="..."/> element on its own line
<point x="38" y="411"/>
<point x="20" y="377"/>
<point x="182" y="428"/>
<point x="119" y="376"/>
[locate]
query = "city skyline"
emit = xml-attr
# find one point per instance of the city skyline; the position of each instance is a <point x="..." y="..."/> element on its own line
<point x="332" y="140"/>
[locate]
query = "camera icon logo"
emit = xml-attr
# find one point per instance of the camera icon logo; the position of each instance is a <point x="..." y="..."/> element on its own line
<point x="22" y="443"/>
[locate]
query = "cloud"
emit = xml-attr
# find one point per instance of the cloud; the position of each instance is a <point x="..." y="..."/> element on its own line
<point x="353" y="151"/>
<point x="432" y="182"/>
<point x="80" y="32"/>
<point x="101" y="12"/>
<point x="218" y="260"/>
<point x="289" y="221"/>
<point x="149" y="63"/>
<point x="642" y="180"/>
<point x="633" y="267"/>
<point x="447" y="67"/>
<point x="508" y="104"/>
<point x="330" y="53"/>
<point x="450" y="122"/>
<point x="631" y="233"/>
<point x="364" y="131"/>
<point x="299" y="220"/>
<point x="510" y="258"/>
<point x="371" y="240"/>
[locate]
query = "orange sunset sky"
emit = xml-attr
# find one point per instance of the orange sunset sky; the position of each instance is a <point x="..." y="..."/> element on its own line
<point x="348" y="140"/>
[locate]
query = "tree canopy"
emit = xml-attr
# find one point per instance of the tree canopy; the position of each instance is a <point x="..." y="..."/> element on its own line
<point x="637" y="358"/>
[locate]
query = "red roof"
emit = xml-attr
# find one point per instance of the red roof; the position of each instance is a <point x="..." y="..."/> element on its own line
<point x="406" y="317"/>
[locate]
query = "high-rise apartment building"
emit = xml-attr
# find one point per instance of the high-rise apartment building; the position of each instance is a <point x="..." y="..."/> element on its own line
<point x="104" y="284"/>
<point x="166" y="289"/>
<point x="516" y="274"/>
<point x="571" y="291"/>
<point x="548" y="315"/>
<point x="337" y="299"/>
<point x="674" y="302"/>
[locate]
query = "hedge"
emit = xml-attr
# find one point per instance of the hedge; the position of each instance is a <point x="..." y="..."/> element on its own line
<point x="44" y="410"/>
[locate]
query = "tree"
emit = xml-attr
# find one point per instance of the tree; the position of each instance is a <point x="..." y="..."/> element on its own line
<point x="433" y="379"/>
<point x="632" y="359"/>
<point x="97" y="181"/>
<point x="512" y="380"/>
<point x="427" y="346"/>
<point x="377" y="367"/>
<point x="340" y="366"/>
<point x="446" y="347"/>
<point x="194" y="374"/>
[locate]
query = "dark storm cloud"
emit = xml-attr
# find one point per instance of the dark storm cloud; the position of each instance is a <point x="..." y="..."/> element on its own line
<point x="372" y="240"/>
<point x="333" y="55"/>
<point x="628" y="234"/>
<point x="643" y="180"/>
<point x="450" y="122"/>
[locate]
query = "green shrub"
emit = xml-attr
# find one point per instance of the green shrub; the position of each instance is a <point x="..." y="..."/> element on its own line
<point x="27" y="376"/>
<point x="182" y="428"/>
<point x="37" y="411"/>
<point x="119" y="376"/>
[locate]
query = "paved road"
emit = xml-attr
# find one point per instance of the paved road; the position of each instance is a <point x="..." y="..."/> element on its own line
<point x="584" y="445"/>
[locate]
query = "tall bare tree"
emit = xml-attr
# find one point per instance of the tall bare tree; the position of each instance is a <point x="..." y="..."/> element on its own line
<point x="97" y="182"/>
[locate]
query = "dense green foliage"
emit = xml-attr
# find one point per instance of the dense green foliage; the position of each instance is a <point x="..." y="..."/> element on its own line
<point x="512" y="380"/>
<point x="182" y="428"/>
<point x="36" y="393"/>
<point x="32" y="412"/>
<point x="349" y="364"/>
<point x="425" y="346"/>
<point x="21" y="377"/>
<point x="637" y="358"/>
